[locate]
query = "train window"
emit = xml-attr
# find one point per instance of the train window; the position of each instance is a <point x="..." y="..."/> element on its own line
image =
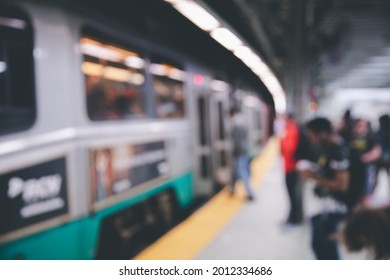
<point x="168" y="85"/>
<point x="203" y="139"/>
<point x="114" y="80"/>
<point x="205" y="166"/>
<point x="17" y="95"/>
<point x="223" y="157"/>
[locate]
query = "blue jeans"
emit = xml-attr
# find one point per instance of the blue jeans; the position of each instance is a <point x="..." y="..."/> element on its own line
<point x="241" y="171"/>
<point x="322" y="227"/>
<point x="370" y="179"/>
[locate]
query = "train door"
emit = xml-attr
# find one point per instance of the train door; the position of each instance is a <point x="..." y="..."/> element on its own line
<point x="220" y="140"/>
<point x="209" y="113"/>
<point x="204" y="182"/>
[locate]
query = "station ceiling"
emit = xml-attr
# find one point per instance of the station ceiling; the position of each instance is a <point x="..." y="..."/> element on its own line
<point x="343" y="43"/>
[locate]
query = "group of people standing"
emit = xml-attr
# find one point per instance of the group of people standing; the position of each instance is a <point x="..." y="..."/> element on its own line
<point x="343" y="164"/>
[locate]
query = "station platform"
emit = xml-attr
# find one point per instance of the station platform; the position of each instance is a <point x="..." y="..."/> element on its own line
<point x="230" y="227"/>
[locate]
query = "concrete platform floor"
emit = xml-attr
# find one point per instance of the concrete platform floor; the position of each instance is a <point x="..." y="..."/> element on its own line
<point x="257" y="231"/>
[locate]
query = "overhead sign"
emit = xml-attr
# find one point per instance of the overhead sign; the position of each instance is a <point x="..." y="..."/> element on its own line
<point x="32" y="195"/>
<point x="117" y="169"/>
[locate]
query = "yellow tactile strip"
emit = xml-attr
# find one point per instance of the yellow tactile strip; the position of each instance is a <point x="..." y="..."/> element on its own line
<point x="189" y="238"/>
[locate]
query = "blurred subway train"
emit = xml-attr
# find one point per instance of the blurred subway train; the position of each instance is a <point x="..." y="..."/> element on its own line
<point x="106" y="138"/>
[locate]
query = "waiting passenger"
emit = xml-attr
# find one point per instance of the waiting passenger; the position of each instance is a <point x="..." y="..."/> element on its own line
<point x="369" y="229"/>
<point x="241" y="168"/>
<point x="331" y="176"/>
<point x="346" y="126"/>
<point x="364" y="152"/>
<point x="383" y="136"/>
<point x="289" y="144"/>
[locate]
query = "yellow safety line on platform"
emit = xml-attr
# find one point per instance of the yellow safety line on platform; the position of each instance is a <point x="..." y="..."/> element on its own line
<point x="189" y="238"/>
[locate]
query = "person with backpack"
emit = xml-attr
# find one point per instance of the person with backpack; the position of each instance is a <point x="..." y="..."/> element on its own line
<point x="241" y="168"/>
<point x="330" y="173"/>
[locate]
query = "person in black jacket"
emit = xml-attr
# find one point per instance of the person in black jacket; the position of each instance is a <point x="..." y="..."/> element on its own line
<point x="330" y="173"/>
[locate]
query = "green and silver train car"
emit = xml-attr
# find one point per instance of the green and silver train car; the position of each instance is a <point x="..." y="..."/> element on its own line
<point x="105" y="139"/>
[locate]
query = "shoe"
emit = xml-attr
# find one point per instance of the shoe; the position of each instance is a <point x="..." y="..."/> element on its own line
<point x="289" y="225"/>
<point x="230" y="193"/>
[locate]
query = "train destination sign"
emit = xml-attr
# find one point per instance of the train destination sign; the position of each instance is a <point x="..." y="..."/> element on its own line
<point x="117" y="169"/>
<point x="33" y="194"/>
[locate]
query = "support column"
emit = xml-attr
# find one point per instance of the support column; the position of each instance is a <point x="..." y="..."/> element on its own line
<point x="297" y="93"/>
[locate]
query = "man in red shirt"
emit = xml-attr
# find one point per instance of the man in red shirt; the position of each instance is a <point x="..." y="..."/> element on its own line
<point x="289" y="144"/>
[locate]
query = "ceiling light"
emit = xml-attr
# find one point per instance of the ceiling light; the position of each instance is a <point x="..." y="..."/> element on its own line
<point x="13" y="23"/>
<point x="271" y="82"/>
<point x="226" y="38"/>
<point x="245" y="53"/>
<point x="204" y="20"/>
<point x="259" y="68"/>
<point x="197" y="14"/>
<point x="280" y="104"/>
<point x="3" y="66"/>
